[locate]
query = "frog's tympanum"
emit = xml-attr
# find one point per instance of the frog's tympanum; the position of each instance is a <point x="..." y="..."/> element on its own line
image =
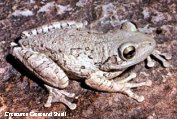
<point x="63" y="50"/>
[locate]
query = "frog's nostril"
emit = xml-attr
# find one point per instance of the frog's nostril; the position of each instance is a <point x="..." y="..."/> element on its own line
<point x="158" y="30"/>
<point x="150" y="43"/>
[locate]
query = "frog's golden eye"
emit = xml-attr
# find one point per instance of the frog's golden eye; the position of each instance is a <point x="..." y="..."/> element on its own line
<point x="127" y="51"/>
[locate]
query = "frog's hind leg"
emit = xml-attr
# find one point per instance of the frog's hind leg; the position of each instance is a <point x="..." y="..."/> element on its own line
<point x="47" y="70"/>
<point x="99" y="81"/>
<point x="56" y="95"/>
<point x="52" y="26"/>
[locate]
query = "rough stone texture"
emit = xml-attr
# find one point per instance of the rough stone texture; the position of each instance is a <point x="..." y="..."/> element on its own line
<point x="21" y="92"/>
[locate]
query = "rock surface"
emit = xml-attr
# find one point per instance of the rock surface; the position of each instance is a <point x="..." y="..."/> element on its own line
<point x="21" y="92"/>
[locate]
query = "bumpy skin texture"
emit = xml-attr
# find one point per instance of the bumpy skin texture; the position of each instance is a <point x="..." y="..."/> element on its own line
<point x="97" y="47"/>
<point x="97" y="58"/>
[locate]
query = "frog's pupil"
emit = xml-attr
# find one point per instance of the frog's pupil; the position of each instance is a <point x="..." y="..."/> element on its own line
<point x="129" y="52"/>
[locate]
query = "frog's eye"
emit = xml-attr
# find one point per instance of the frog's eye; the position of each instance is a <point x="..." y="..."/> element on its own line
<point x="127" y="51"/>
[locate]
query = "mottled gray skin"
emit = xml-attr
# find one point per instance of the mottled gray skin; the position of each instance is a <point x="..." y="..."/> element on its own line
<point x="83" y="54"/>
<point x="74" y="49"/>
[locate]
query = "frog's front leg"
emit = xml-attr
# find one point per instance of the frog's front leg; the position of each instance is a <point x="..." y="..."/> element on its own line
<point x="100" y="81"/>
<point x="47" y="70"/>
<point x="163" y="57"/>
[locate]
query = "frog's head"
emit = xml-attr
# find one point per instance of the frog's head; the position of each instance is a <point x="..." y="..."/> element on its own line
<point x="135" y="49"/>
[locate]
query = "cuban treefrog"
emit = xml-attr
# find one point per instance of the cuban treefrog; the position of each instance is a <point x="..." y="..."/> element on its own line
<point x="63" y="50"/>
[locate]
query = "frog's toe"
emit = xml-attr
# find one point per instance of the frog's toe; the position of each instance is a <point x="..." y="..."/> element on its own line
<point x="163" y="57"/>
<point x="148" y="83"/>
<point x="134" y="96"/>
<point x="150" y="63"/>
<point x="140" y="99"/>
<point x="73" y="106"/>
<point x="167" y="56"/>
<point x="70" y="95"/>
<point x="134" y="85"/>
<point x="126" y="85"/>
<point x="56" y="95"/>
<point x="130" y="77"/>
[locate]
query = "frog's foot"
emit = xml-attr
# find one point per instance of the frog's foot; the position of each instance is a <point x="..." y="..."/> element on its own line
<point x="102" y="82"/>
<point x="125" y="87"/>
<point x="54" y="25"/>
<point x="163" y="57"/>
<point x="56" y="95"/>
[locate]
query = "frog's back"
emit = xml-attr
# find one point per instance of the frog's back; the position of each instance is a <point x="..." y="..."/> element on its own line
<point x="61" y="40"/>
<point x="66" y="39"/>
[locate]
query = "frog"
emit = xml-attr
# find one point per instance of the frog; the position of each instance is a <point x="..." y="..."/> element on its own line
<point x="64" y="50"/>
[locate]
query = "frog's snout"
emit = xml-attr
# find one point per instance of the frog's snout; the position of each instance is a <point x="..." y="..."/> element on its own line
<point x="144" y="50"/>
<point x="147" y="46"/>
